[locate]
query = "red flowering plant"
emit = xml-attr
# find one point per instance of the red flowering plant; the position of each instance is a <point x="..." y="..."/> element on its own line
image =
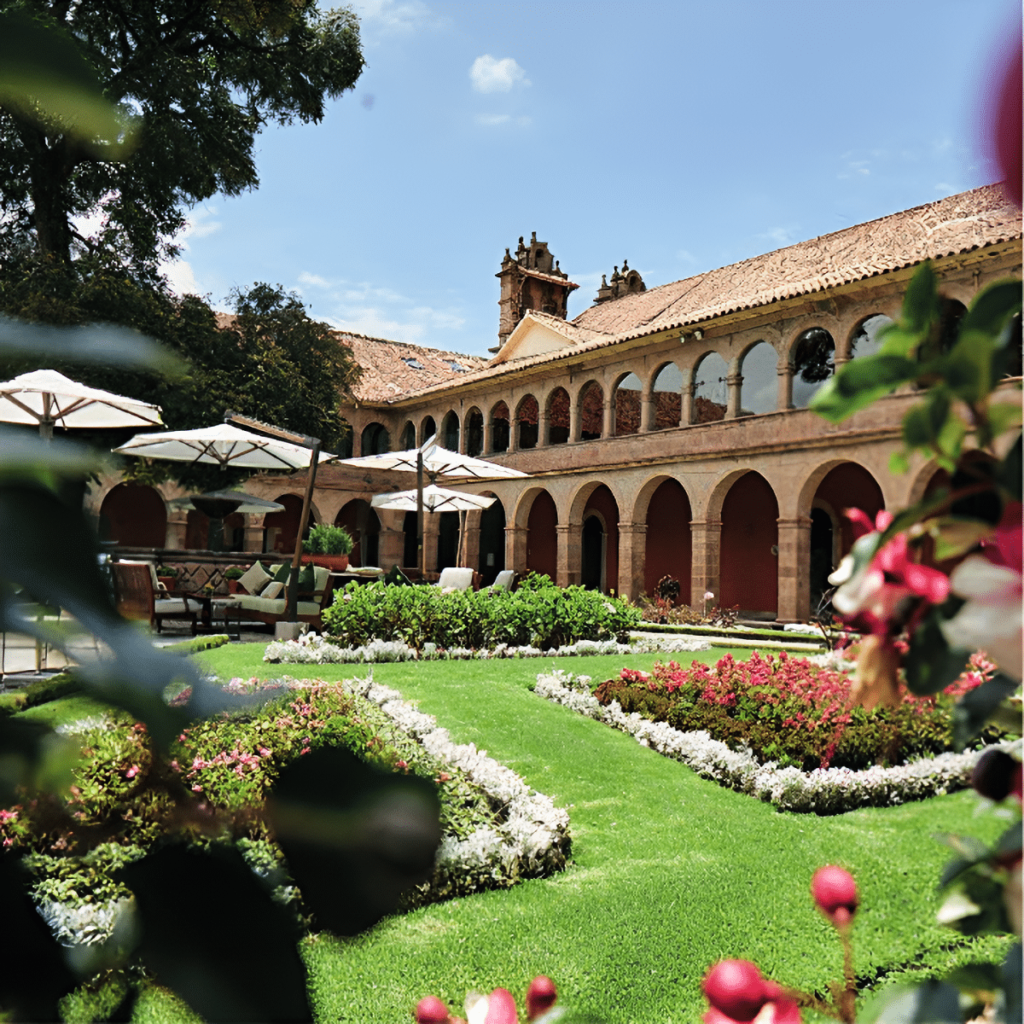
<point x="790" y="711"/>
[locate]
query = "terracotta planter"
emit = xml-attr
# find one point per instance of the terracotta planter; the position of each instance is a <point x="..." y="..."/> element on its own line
<point x="336" y="563"/>
<point x="170" y="582"/>
<point x="234" y="587"/>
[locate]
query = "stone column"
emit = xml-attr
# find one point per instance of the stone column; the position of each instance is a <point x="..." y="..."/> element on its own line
<point x="542" y="425"/>
<point x="794" y="569"/>
<point x="462" y="438"/>
<point x="177" y="526"/>
<point x="632" y="549"/>
<point x="515" y="548"/>
<point x="575" y="419"/>
<point x="785" y="372"/>
<point x="686" y="412"/>
<point x="471" y="545"/>
<point x="390" y="547"/>
<point x="608" y="418"/>
<point x="734" y="382"/>
<point x="513" y="432"/>
<point x="570" y="555"/>
<point x="705" y="571"/>
<point x="646" y="411"/>
<point x="488" y="437"/>
<point x="253" y="534"/>
<point x="430" y="531"/>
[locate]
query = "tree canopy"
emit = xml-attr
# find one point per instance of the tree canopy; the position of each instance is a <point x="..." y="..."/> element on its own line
<point x="196" y="80"/>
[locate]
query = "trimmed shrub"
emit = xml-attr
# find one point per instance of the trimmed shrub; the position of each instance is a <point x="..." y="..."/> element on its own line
<point x="538" y="614"/>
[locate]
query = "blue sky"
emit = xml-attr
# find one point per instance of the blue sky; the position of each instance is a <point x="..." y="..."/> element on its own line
<point x="680" y="136"/>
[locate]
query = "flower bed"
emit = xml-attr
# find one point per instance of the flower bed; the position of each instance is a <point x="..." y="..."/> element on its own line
<point x="821" y="791"/>
<point x="496" y="830"/>
<point x="312" y="649"/>
<point x="791" y="711"/>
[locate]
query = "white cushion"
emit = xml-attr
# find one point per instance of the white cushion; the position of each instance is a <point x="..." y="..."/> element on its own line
<point x="503" y="581"/>
<point x="272" y="590"/>
<point x="456" y="578"/>
<point x="255" y="578"/>
<point x="172" y="606"/>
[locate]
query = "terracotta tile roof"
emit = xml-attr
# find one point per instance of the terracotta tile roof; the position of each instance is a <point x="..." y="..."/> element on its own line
<point x="393" y="368"/>
<point x="957" y="224"/>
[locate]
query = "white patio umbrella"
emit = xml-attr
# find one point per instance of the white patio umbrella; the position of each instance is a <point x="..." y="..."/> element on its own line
<point x="435" y="461"/>
<point x="225" y="444"/>
<point x="48" y="398"/>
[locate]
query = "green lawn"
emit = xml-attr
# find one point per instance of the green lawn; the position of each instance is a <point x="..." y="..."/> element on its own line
<point x="669" y="873"/>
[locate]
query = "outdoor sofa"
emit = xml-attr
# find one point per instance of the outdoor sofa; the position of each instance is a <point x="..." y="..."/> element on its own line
<point x="267" y="600"/>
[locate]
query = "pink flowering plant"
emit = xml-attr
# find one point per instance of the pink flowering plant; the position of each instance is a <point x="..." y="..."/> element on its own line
<point x="789" y="711"/>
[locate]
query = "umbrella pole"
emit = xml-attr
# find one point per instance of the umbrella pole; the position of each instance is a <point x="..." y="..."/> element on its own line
<point x="307" y="499"/>
<point x="421" y="558"/>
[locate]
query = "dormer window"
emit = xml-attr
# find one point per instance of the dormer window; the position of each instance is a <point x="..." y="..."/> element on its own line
<point x="457" y="366"/>
<point x="414" y="363"/>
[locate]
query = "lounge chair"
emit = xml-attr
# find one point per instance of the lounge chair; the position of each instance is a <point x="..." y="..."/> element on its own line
<point x="454" y="578"/>
<point x="138" y="593"/>
<point x="504" y="580"/>
<point x="270" y="605"/>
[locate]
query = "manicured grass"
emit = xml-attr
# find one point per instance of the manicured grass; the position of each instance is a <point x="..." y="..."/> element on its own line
<point x="670" y="872"/>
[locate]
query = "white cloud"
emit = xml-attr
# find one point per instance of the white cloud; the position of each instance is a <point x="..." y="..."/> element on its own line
<point x="394" y="16"/>
<point x="181" y="278"/>
<point x="493" y="120"/>
<point x="491" y="75"/>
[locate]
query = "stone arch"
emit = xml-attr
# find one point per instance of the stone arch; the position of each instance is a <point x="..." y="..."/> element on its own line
<point x="590" y="405"/>
<point x="664" y="506"/>
<point x="527" y="420"/>
<point x="667" y="396"/>
<point x="375" y="439"/>
<point x="626" y="392"/>
<point x="758" y="365"/>
<point x="863" y="340"/>
<point x="537" y="514"/>
<point x="500" y="432"/>
<point x="749" y="572"/>
<point x="363" y="524"/>
<point x="490" y="523"/>
<point x="134" y="516"/>
<point x="599" y="550"/>
<point x="280" y="528"/>
<point x="812" y="358"/>
<point x="558" y="416"/>
<point x="450" y="431"/>
<point x="428" y="429"/>
<point x="407" y="439"/>
<point x="474" y="432"/>
<point x="710" y="388"/>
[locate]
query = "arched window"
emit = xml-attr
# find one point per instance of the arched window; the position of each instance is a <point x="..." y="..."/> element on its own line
<point x="345" y="444"/>
<point x="428" y="429"/>
<point x="667" y="395"/>
<point x="813" y="363"/>
<point x="500" y="428"/>
<point x="408" y="437"/>
<point x="558" y="416"/>
<point x="591" y="412"/>
<point x="450" y="432"/>
<point x="526" y="421"/>
<point x="474" y="433"/>
<point x="759" y="391"/>
<point x="865" y="340"/>
<point x="711" y="393"/>
<point x="627" y="405"/>
<point x="376" y="440"/>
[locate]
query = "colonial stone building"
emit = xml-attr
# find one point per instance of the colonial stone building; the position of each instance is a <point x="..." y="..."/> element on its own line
<point x="665" y="430"/>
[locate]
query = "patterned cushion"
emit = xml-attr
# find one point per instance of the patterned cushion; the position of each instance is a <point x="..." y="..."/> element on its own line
<point x="255" y="578"/>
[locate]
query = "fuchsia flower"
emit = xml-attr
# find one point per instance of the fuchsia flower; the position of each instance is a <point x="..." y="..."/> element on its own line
<point x="430" y="1010"/>
<point x="991" y="582"/>
<point x="738" y="994"/>
<point x="540" y="996"/>
<point x="878" y="595"/>
<point x="835" y="892"/>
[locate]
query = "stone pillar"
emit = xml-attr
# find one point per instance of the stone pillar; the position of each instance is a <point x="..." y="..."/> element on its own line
<point x="705" y="572"/>
<point x="430" y="532"/>
<point x="488" y="437"/>
<point x="646" y="411"/>
<point x="608" y="418"/>
<point x="177" y="526"/>
<point x="513" y="432"/>
<point x="785" y="372"/>
<point x="570" y="555"/>
<point x="390" y="547"/>
<point x="686" y="412"/>
<point x="471" y="544"/>
<point x="632" y="548"/>
<point x="734" y="382"/>
<point x="794" y="569"/>
<point x="542" y="425"/>
<point x="575" y="419"/>
<point x="253" y="534"/>
<point x="462" y="438"/>
<point x="515" y="548"/>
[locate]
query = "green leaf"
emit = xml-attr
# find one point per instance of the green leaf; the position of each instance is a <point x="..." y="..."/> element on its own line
<point x="1012" y="985"/>
<point x="29" y="455"/>
<point x="897" y="340"/>
<point x="44" y="77"/>
<point x="859" y="383"/>
<point x="972" y="711"/>
<point x="921" y="301"/>
<point x="984" y="977"/>
<point x="1008" y="472"/>
<point x="1010" y="841"/>
<point x="934" y="1002"/>
<point x="931" y="664"/>
<point x="992" y="309"/>
<point x="917" y="427"/>
<point x="212" y="933"/>
<point x="968" y="366"/>
<point x="898" y="463"/>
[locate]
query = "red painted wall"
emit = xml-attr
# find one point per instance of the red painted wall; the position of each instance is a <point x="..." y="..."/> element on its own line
<point x="850" y="486"/>
<point x="602" y="501"/>
<point x="669" y="549"/>
<point x="750" y="572"/>
<point x="134" y="516"/>
<point x="542" y="540"/>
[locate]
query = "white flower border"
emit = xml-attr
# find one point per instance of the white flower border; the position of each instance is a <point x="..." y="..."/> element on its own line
<point x="312" y="649"/>
<point x="822" y="791"/>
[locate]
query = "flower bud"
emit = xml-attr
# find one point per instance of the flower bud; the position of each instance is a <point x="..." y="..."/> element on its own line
<point x="502" y="1008"/>
<point x="736" y="989"/>
<point x="835" y="892"/>
<point x="540" y="997"/>
<point x="430" y="1010"/>
<point x="993" y="774"/>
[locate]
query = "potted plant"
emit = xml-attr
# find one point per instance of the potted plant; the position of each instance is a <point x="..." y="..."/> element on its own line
<point x="167" y="575"/>
<point x="328" y="546"/>
<point x="233" y="574"/>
